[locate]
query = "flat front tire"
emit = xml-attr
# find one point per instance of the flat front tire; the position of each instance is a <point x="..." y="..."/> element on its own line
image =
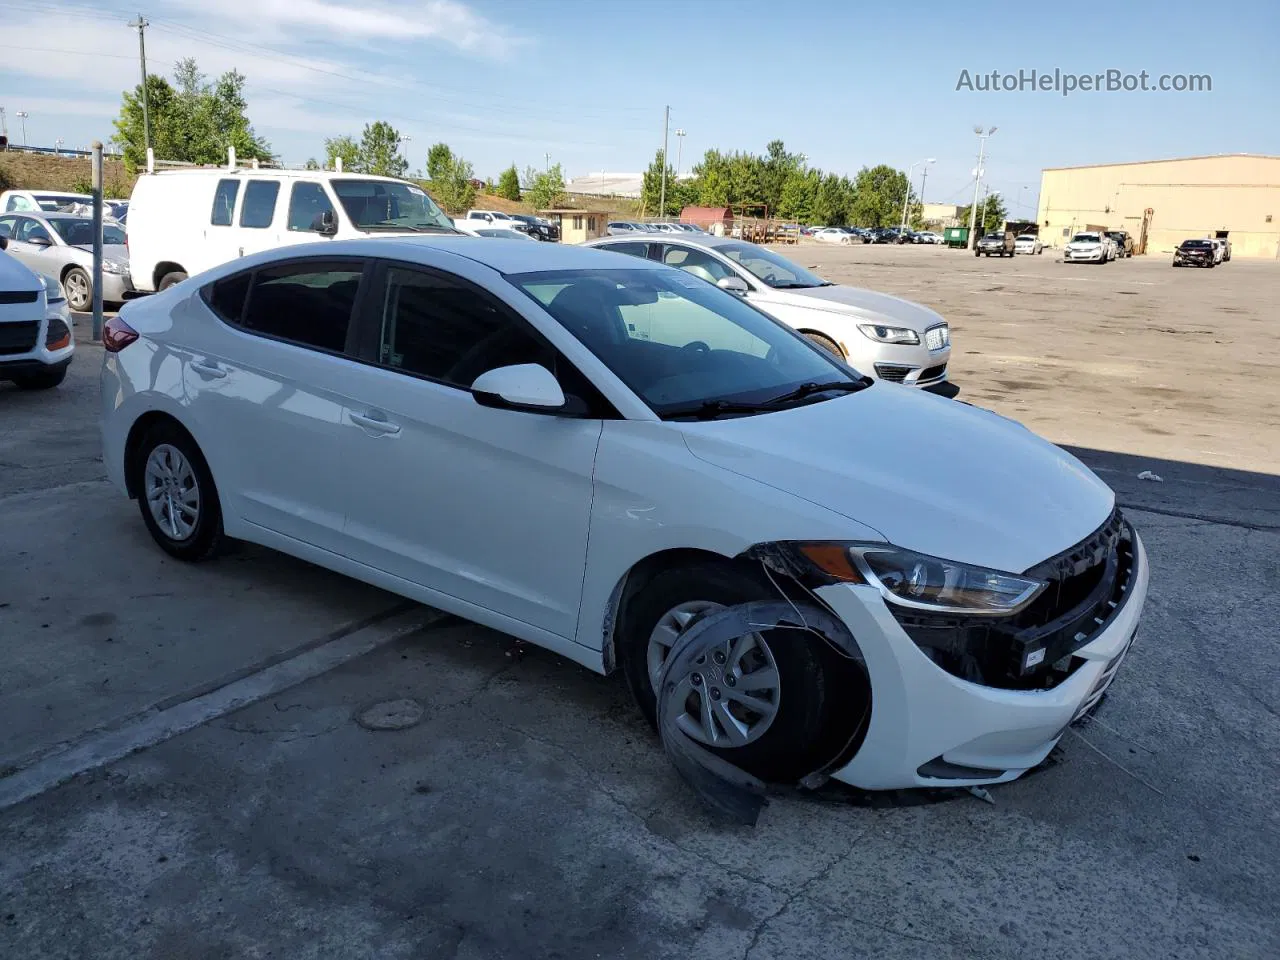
<point x="778" y="729"/>
<point x="176" y="494"/>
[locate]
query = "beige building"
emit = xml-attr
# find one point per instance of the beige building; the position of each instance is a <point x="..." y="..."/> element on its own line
<point x="1234" y="195"/>
<point x="936" y="215"/>
<point x="578" y="226"/>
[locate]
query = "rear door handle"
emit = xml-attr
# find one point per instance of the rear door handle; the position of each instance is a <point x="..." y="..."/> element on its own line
<point x="210" y="371"/>
<point x="374" y="423"/>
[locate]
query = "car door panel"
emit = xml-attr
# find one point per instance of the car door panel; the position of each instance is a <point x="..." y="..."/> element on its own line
<point x="487" y="505"/>
<point x="272" y="409"/>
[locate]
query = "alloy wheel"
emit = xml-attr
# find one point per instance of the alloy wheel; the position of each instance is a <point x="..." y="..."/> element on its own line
<point x="172" y="492"/>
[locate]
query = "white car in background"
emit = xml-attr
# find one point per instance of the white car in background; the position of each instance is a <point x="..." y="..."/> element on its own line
<point x="1219" y="249"/>
<point x="882" y="336"/>
<point x="1087" y="248"/>
<point x="1027" y="243"/>
<point x="590" y="451"/>
<point x="928" y="236"/>
<point x="835" y="235"/>
<point x="479" y="228"/>
<point x="44" y="201"/>
<point x="36" y="340"/>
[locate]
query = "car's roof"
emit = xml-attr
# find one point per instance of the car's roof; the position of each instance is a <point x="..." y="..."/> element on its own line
<point x="513" y="256"/>
<point x="708" y="240"/>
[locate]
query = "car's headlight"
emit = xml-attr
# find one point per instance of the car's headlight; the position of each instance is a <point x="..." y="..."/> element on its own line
<point x="883" y="334"/>
<point x="114" y="266"/>
<point x="52" y="289"/>
<point x="911" y="579"/>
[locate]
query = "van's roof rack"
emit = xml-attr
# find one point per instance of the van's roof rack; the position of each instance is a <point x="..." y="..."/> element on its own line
<point x="254" y="164"/>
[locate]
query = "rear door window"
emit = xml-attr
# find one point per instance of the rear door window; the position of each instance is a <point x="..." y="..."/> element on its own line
<point x="307" y="302"/>
<point x="259" y="207"/>
<point x="632" y="248"/>
<point x="224" y="202"/>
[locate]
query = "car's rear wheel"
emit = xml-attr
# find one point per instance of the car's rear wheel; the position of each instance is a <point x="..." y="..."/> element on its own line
<point x="79" y="289"/>
<point x="763" y="702"/>
<point x="45" y="380"/>
<point x="170" y="279"/>
<point x="176" y="494"/>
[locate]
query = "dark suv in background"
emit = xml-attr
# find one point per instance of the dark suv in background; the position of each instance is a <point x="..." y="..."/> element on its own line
<point x="538" y="228"/>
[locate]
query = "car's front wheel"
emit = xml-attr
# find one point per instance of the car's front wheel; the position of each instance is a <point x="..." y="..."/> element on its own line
<point x="765" y="702"/>
<point x="79" y="289"/>
<point x="176" y="493"/>
<point x="171" y="279"/>
<point x="826" y="343"/>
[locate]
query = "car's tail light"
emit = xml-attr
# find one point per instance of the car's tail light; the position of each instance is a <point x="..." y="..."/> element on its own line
<point x="116" y="335"/>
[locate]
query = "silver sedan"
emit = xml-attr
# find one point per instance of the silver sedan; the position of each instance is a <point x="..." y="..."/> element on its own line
<point x="61" y="245"/>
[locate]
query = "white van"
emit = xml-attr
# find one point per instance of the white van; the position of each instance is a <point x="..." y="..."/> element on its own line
<point x="185" y="221"/>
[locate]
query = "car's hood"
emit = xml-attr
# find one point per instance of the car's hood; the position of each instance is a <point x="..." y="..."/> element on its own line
<point x="16" y="278"/>
<point x="931" y="474"/>
<point x="865" y="305"/>
<point x="110" y="251"/>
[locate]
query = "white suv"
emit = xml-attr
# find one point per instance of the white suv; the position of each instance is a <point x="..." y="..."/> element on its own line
<point x="36" y="342"/>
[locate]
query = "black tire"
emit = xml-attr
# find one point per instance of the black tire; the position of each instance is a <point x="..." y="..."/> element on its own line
<point x="41" y="381"/>
<point x="79" y="289"/>
<point x="792" y="746"/>
<point x="977" y="253"/>
<point x="207" y="538"/>
<point x="826" y="343"/>
<point x="171" y="278"/>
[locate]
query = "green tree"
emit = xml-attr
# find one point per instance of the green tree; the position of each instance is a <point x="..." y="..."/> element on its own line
<point x="799" y="194"/>
<point x="452" y="186"/>
<point x="439" y="161"/>
<point x="651" y="190"/>
<point x="342" y="148"/>
<point x="776" y="168"/>
<point x="380" y="150"/>
<point x="192" y="120"/>
<point x="993" y="214"/>
<point x="509" y="183"/>
<point x="312" y="164"/>
<point x="544" y="189"/>
<point x="880" y="192"/>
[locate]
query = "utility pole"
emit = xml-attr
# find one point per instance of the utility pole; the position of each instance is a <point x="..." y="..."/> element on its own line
<point x="4" y="129"/>
<point x="977" y="180"/>
<point x="983" y="218"/>
<point x="907" y="198"/>
<point x="548" y="157"/>
<point x="679" y="151"/>
<point x="662" y="195"/>
<point x="22" y="115"/>
<point x="141" y="26"/>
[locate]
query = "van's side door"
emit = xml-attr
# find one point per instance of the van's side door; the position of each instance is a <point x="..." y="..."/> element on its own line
<point x="222" y="237"/>
<point x="261" y="216"/>
<point x="307" y="203"/>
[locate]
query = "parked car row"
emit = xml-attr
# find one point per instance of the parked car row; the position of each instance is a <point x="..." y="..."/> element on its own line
<point x="537" y="228"/>
<point x="36" y="339"/>
<point x="850" y="235"/>
<point x="1092" y="246"/>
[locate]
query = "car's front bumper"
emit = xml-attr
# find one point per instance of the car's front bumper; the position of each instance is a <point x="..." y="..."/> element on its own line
<point x="40" y="358"/>
<point x="920" y="714"/>
<point x="116" y="287"/>
<point x="1091" y="256"/>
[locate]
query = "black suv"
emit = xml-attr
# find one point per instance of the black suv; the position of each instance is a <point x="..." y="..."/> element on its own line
<point x="537" y="228"/>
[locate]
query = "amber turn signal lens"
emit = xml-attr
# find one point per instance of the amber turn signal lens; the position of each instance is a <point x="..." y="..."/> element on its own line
<point x="63" y="341"/>
<point x="832" y="560"/>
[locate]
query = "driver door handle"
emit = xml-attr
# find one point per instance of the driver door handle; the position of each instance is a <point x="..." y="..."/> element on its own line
<point x="210" y="371"/>
<point x="375" y="423"/>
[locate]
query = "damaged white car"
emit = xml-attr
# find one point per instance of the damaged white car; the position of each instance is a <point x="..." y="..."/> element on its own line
<point x="608" y="457"/>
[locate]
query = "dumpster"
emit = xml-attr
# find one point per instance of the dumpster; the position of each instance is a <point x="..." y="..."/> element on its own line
<point x="956" y="237"/>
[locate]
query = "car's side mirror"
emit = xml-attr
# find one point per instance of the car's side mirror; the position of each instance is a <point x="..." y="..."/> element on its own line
<point x="40" y="241"/>
<point x="734" y="285"/>
<point x="522" y="386"/>
<point x="325" y="224"/>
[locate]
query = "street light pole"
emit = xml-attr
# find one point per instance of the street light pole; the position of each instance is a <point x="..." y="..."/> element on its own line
<point x="977" y="179"/>
<point x="907" y="199"/>
<point x="679" y="151"/>
<point x="141" y="26"/>
<point x="22" y="115"/>
<point x="662" y="195"/>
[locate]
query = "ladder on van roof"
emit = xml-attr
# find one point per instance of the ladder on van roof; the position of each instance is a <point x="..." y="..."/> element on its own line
<point x="255" y="164"/>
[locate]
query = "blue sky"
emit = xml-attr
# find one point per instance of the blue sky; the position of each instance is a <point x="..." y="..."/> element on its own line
<point x="506" y="81"/>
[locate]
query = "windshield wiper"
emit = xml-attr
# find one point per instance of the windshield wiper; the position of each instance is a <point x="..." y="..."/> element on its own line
<point x="710" y="409"/>
<point x="809" y="389"/>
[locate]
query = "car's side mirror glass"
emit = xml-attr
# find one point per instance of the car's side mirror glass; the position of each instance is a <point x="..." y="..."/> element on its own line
<point x="522" y="386"/>
<point x="734" y="285"/>
<point x="39" y="240"/>
<point x="325" y="224"/>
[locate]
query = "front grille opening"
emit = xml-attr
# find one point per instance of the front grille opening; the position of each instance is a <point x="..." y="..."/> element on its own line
<point x="18" y="337"/>
<point x="931" y="373"/>
<point x="1088" y="585"/>
<point x="894" y="372"/>
<point x="19" y="296"/>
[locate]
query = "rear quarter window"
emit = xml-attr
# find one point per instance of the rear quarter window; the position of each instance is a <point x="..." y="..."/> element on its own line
<point x="224" y="202"/>
<point x="226" y="297"/>
<point x="259" y="207"/>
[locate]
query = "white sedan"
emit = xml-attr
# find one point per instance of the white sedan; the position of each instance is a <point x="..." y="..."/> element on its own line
<point x="497" y="230"/>
<point x="1027" y="243"/>
<point x="883" y="336"/>
<point x="835" y="235"/>
<point x="1087" y="248"/>
<point x="590" y="452"/>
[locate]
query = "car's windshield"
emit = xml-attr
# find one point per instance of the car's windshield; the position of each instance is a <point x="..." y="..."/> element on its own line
<point x="78" y="231"/>
<point x="1025" y="236"/>
<point x="680" y="343"/>
<point x="376" y="205"/>
<point x="1085" y="238"/>
<point x="766" y="266"/>
<point x="1196" y="244"/>
<point x="50" y="203"/>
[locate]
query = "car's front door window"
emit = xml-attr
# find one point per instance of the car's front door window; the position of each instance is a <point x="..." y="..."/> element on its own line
<point x="697" y="262"/>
